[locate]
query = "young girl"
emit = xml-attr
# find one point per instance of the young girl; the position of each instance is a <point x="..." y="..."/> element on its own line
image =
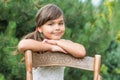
<point x="50" y="28"/>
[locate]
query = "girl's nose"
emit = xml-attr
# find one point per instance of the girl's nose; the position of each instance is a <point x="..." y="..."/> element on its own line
<point x="57" y="27"/>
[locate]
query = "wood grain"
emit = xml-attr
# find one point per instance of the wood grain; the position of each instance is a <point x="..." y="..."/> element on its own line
<point x="61" y="59"/>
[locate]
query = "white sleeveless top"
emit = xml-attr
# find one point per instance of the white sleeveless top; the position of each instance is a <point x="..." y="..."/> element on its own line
<point x="48" y="73"/>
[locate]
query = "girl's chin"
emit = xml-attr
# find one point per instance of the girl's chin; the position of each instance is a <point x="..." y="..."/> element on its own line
<point x="55" y="38"/>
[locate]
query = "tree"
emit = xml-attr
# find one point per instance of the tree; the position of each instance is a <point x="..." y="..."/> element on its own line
<point x="97" y="28"/>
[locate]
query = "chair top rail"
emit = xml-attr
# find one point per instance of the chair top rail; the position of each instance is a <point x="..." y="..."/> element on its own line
<point x="61" y="59"/>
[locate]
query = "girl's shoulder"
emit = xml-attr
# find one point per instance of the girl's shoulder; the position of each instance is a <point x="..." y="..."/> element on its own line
<point x="33" y="35"/>
<point x="29" y="36"/>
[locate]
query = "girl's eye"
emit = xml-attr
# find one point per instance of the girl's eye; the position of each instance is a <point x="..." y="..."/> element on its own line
<point x="61" y="23"/>
<point x="50" y="24"/>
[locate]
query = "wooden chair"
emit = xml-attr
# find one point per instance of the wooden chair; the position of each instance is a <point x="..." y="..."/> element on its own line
<point x="60" y="59"/>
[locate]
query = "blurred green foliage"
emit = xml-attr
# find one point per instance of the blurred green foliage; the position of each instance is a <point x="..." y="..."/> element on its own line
<point x="96" y="27"/>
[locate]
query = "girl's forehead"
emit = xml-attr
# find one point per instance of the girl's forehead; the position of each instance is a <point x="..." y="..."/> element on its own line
<point x="57" y="20"/>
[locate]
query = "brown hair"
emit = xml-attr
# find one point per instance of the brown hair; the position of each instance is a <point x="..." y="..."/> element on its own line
<point x="44" y="14"/>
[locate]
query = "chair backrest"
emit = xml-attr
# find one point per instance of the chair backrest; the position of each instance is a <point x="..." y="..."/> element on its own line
<point x="61" y="59"/>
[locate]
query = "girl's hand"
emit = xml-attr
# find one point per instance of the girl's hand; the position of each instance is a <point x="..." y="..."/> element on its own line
<point x="56" y="48"/>
<point x="53" y="42"/>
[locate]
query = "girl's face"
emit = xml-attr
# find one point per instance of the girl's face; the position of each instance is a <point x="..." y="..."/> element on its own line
<point x="53" y="29"/>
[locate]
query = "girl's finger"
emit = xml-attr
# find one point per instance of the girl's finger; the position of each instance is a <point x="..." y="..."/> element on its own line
<point x="51" y="42"/>
<point x="64" y="51"/>
<point x="44" y="41"/>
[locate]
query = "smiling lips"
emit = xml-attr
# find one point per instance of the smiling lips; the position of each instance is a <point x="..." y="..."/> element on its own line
<point x="57" y="33"/>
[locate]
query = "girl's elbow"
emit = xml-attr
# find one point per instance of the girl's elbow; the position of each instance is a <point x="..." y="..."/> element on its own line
<point x="82" y="51"/>
<point x="21" y="47"/>
<point x="81" y="54"/>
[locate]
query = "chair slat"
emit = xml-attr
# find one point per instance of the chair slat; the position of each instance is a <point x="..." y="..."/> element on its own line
<point x="61" y="59"/>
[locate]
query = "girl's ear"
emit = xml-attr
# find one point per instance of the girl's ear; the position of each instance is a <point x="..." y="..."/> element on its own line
<point x="39" y="29"/>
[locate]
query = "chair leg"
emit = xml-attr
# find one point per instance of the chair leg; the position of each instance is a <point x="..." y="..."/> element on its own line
<point x="99" y="77"/>
<point x="28" y="62"/>
<point x="97" y="62"/>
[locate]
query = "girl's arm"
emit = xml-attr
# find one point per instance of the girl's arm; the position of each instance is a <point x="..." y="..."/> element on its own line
<point x="75" y="49"/>
<point x="30" y="44"/>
